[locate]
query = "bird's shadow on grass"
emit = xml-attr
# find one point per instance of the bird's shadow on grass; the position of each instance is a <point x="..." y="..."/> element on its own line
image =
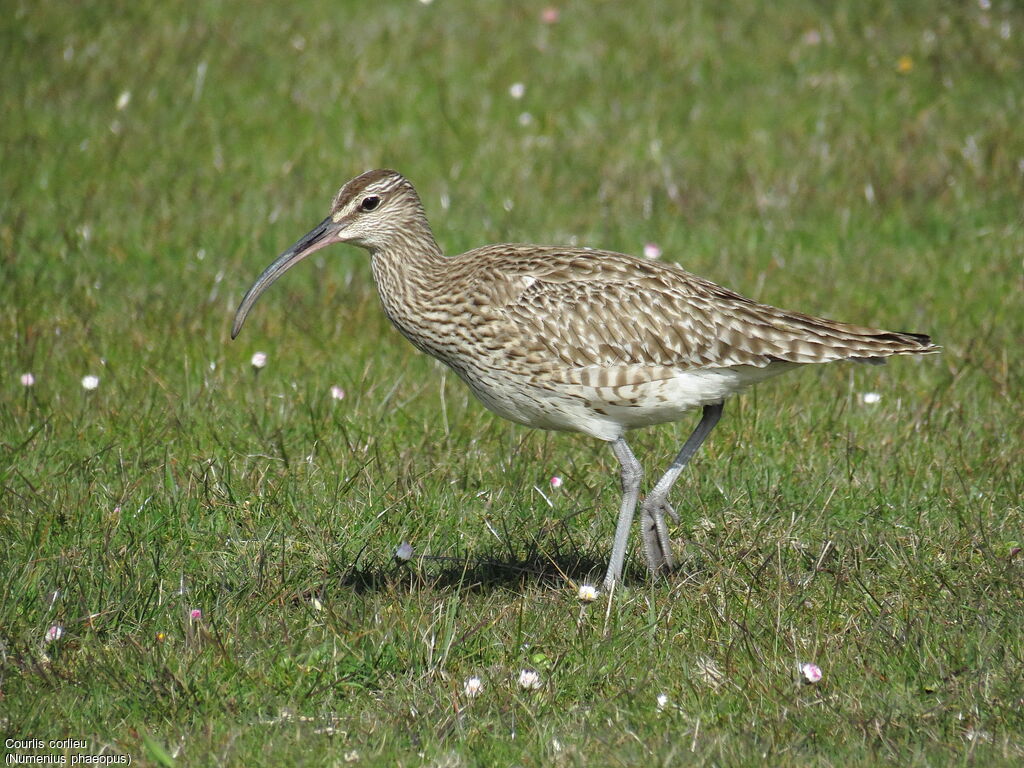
<point x="478" y="571"/>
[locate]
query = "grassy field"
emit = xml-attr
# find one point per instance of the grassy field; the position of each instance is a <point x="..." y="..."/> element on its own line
<point x="213" y="543"/>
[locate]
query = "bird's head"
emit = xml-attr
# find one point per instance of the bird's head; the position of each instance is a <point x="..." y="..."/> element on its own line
<point x="374" y="211"/>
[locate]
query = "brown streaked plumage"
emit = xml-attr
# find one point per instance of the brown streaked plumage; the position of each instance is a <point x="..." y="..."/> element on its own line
<point x="575" y="339"/>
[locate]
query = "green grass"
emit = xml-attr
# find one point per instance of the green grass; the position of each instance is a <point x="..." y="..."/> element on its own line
<point x="777" y="150"/>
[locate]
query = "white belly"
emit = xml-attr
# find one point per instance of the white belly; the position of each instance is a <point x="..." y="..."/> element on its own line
<point x="607" y="412"/>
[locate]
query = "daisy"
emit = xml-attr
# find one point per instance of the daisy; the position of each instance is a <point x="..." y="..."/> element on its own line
<point x="811" y="672"/>
<point x="529" y="680"/>
<point x="587" y="593"/>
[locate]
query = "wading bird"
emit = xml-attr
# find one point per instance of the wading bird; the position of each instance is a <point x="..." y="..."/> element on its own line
<point x="576" y="339"/>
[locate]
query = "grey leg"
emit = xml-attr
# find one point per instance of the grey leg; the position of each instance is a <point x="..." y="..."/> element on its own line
<point x="632" y="473"/>
<point x="652" y="522"/>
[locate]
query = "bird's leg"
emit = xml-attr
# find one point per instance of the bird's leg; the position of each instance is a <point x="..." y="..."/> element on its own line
<point x="632" y="473"/>
<point x="652" y="521"/>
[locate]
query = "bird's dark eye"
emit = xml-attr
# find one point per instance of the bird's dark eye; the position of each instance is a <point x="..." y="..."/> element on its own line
<point x="369" y="203"/>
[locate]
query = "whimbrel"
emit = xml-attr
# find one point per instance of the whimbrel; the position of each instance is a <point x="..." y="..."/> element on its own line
<point x="577" y="339"/>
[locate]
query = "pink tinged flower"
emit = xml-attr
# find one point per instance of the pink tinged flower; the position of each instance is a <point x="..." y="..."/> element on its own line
<point x="529" y="680"/>
<point x="27" y="379"/>
<point x="473" y="687"/>
<point x="90" y="382"/>
<point x="54" y="633"/>
<point x="556" y="482"/>
<point x="652" y="251"/>
<point x="587" y="593"/>
<point x="549" y="15"/>
<point x="259" y="360"/>
<point x="195" y="614"/>
<point x="811" y="37"/>
<point x="811" y="672"/>
<point x="337" y="392"/>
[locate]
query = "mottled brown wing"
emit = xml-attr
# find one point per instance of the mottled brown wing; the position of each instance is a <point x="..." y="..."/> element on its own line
<point x="628" y="311"/>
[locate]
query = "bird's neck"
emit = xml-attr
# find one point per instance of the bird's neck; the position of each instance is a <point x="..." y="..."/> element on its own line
<point x="409" y="253"/>
<point x="408" y="272"/>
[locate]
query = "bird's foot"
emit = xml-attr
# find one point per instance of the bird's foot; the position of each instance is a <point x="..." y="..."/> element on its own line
<point x="654" y="531"/>
<point x="671" y="511"/>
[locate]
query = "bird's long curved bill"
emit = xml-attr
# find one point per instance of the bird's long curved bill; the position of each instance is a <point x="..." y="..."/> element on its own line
<point x="309" y="243"/>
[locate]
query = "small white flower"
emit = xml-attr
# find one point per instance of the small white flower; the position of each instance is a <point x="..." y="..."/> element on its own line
<point x="870" y="398"/>
<point x="517" y="90"/>
<point x="27" y="379"/>
<point x="123" y="100"/>
<point x="525" y="119"/>
<point x="811" y="672"/>
<point x="404" y="552"/>
<point x="259" y="360"/>
<point x="337" y="392"/>
<point x="317" y="605"/>
<point x="529" y="680"/>
<point x="587" y="593"/>
<point x="90" y="382"/>
<point x="652" y="251"/>
<point x="473" y="687"/>
<point x="556" y="482"/>
<point x="662" y="701"/>
<point x="56" y="632"/>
